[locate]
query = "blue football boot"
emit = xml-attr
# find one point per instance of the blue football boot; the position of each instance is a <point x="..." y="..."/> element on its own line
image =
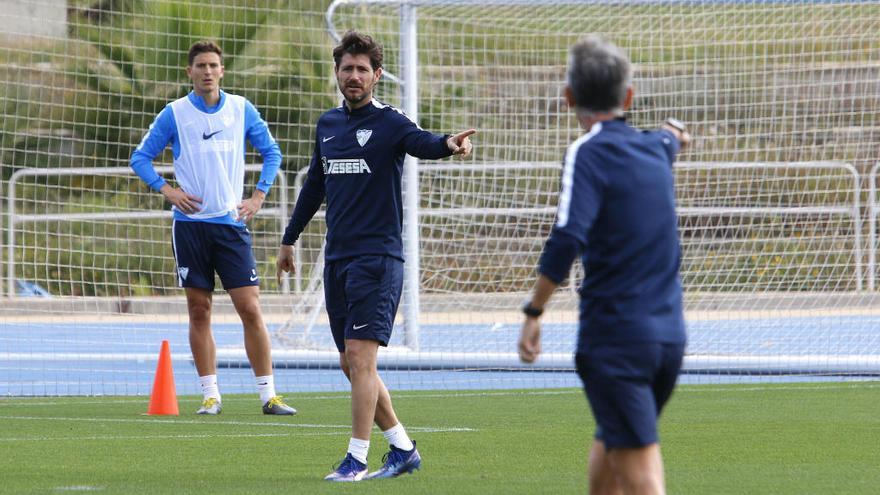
<point x="397" y="462"/>
<point x="350" y="469"/>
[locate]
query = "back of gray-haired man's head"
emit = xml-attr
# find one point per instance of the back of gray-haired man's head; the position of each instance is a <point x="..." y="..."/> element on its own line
<point x="599" y="74"/>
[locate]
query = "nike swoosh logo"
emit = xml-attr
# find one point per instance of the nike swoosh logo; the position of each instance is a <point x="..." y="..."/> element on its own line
<point x="358" y="327"/>
<point x="209" y="136"/>
<point x="254" y="278"/>
<point x="324" y="140"/>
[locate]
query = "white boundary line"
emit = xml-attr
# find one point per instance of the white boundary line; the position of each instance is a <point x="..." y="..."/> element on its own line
<point x="420" y="429"/>
<point x="160" y="437"/>
<point x="683" y="388"/>
<point x="872" y="383"/>
<point x="171" y="421"/>
<point x="36" y="401"/>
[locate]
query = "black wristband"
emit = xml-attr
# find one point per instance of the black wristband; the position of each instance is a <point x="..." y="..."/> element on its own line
<point x="531" y="311"/>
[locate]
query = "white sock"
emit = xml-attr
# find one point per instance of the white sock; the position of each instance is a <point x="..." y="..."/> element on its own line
<point x="359" y="448"/>
<point x="209" y="387"/>
<point x="397" y="436"/>
<point x="266" y="387"/>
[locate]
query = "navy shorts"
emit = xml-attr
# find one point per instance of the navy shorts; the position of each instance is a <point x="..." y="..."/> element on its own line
<point x="362" y="294"/>
<point x="202" y="248"/>
<point x="627" y="386"/>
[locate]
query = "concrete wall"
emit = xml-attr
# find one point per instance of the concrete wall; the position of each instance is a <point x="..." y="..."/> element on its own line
<point x="33" y="18"/>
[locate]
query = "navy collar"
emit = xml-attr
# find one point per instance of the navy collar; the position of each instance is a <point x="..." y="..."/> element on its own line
<point x="616" y="122"/>
<point x="364" y="110"/>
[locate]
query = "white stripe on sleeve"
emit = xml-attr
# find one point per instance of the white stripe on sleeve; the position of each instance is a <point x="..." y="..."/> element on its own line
<point x="568" y="175"/>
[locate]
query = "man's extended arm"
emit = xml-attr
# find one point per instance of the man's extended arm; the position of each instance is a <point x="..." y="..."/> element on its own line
<point x="420" y="143"/>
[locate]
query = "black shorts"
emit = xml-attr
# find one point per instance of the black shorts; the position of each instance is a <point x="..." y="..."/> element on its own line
<point x="627" y="386"/>
<point x="202" y="248"/>
<point x="362" y="294"/>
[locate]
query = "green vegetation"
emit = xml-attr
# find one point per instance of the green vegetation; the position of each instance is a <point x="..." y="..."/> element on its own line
<point x="131" y="66"/>
<point x="87" y="102"/>
<point x="782" y="439"/>
<point x="777" y="81"/>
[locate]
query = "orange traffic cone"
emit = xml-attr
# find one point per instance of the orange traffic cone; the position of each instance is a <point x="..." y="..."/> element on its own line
<point x="163" y="400"/>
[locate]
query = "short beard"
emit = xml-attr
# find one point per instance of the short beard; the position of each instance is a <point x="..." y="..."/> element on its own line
<point x="356" y="100"/>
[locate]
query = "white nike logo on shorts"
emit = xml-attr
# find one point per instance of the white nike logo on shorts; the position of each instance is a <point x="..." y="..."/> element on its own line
<point x="324" y="140"/>
<point x="254" y="278"/>
<point x="358" y="327"/>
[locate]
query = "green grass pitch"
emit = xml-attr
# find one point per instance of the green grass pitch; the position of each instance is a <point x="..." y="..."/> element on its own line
<point x="717" y="439"/>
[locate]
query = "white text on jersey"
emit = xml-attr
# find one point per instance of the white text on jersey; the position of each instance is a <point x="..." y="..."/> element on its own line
<point x="346" y="166"/>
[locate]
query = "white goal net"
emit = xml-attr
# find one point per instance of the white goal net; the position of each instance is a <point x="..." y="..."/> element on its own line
<point x="776" y="193"/>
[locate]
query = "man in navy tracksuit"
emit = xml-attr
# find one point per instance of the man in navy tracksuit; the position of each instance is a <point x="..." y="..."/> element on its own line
<point x="617" y="209"/>
<point x="357" y="165"/>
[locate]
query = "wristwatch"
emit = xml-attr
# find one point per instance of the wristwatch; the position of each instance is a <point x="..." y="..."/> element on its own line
<point x="677" y="124"/>
<point x="531" y="311"/>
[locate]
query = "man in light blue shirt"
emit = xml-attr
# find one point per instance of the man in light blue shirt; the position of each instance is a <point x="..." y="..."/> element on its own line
<point x="207" y="130"/>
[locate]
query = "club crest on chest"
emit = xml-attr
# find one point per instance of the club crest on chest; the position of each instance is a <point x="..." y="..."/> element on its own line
<point x="363" y="135"/>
